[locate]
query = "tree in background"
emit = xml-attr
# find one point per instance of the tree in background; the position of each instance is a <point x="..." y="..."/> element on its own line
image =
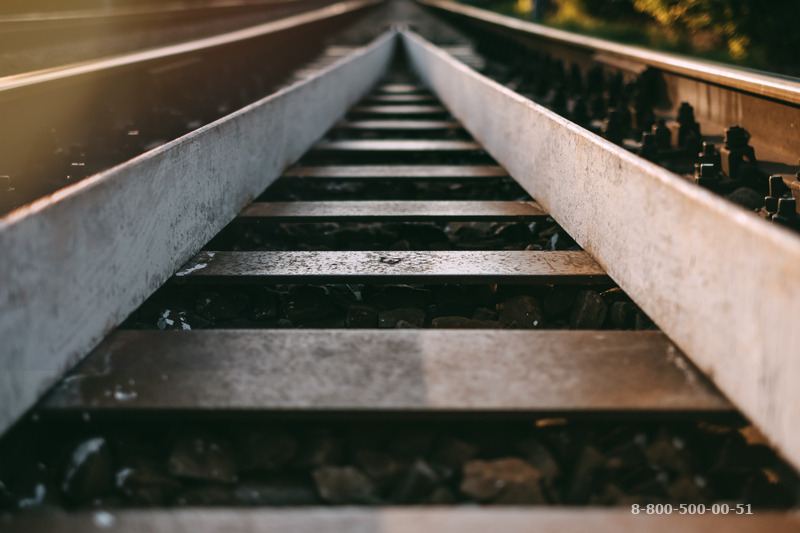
<point x="708" y="24"/>
<point x="754" y="32"/>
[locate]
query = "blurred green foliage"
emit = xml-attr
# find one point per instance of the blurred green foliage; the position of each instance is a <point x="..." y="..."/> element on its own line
<point x="757" y="33"/>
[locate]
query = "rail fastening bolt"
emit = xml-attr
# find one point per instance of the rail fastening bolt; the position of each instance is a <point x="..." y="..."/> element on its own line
<point x="777" y="188"/>
<point x="663" y="134"/>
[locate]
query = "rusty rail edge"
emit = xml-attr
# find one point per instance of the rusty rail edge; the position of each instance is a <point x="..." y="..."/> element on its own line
<point x="460" y="519"/>
<point x="76" y="263"/>
<point x="720" y="282"/>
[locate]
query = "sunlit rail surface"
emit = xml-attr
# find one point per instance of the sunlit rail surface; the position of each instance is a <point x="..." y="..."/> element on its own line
<point x="53" y="36"/>
<point x="355" y="256"/>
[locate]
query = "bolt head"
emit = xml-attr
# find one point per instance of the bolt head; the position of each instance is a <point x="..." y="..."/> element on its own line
<point x="787" y="206"/>
<point x="685" y="113"/>
<point x="771" y="204"/>
<point x="776" y="186"/>
<point x="706" y="170"/>
<point x="736" y="136"/>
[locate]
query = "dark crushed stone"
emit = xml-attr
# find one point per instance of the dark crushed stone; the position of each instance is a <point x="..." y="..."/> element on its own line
<point x="416" y="484"/>
<point x="409" y="315"/>
<point x="382" y="467"/>
<point x="413" y="442"/>
<point x="747" y="198"/>
<point x="6" y="498"/>
<point x="88" y="471"/>
<point x="586" y="476"/>
<point x="421" y="234"/>
<point x="483" y="313"/>
<point x="32" y="485"/>
<point x="248" y="235"/>
<point x="202" y="457"/>
<point x="523" y="461"/>
<point x="505" y="481"/>
<point x="266" y="450"/>
<point x="687" y="489"/>
<point x="558" y="301"/>
<point x="344" y="485"/>
<point x="318" y="447"/>
<point x="589" y="311"/>
<point x="463" y="322"/>
<point x="453" y="299"/>
<point x="557" y="238"/>
<point x="615" y="295"/>
<point x="623" y="315"/>
<point x="206" y="495"/>
<point x="393" y="306"/>
<point x="299" y="189"/>
<point x="441" y="496"/>
<point x="398" y="296"/>
<point x="515" y="232"/>
<point x="307" y="303"/>
<point x="221" y="305"/>
<point x="279" y="490"/>
<point x="401" y="245"/>
<point x="169" y="319"/>
<point x="361" y="316"/>
<point x="146" y="482"/>
<point x="453" y="453"/>
<point x="538" y="454"/>
<point x="643" y="322"/>
<point x="264" y="304"/>
<point x="521" y="312"/>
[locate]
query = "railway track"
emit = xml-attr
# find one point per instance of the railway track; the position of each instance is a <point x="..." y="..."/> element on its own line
<point x="146" y="98"/>
<point x="41" y="37"/>
<point x="665" y="107"/>
<point x="395" y="321"/>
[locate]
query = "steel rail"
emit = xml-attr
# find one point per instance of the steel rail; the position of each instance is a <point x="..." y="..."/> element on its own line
<point x="35" y="20"/>
<point x="13" y="84"/>
<point x="719" y="281"/>
<point x="365" y="370"/>
<point x="36" y="41"/>
<point x="784" y="88"/>
<point x="66" y="112"/>
<point x="81" y="276"/>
